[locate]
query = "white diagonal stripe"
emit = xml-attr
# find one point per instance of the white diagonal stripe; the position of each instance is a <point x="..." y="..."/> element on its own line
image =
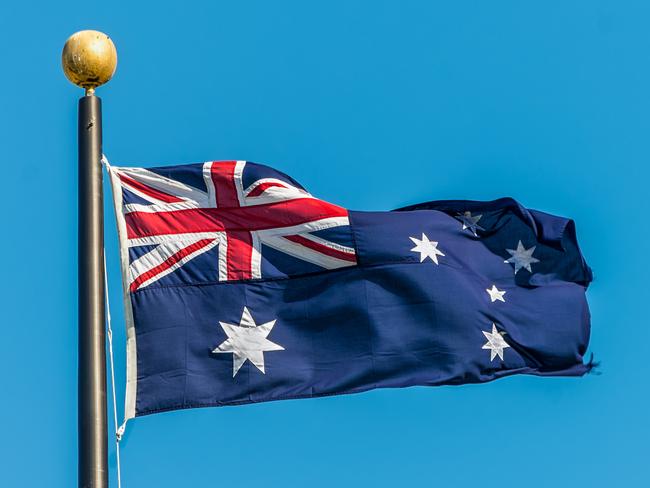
<point x="166" y="185"/>
<point x="313" y="226"/>
<point x="273" y="193"/>
<point x="159" y="255"/>
<point x="187" y="238"/>
<point x="144" y="196"/>
<point x="158" y="206"/>
<point x="330" y="244"/>
<point x="302" y="252"/>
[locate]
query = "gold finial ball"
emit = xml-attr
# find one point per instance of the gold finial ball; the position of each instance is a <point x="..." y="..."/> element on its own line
<point x="89" y="59"/>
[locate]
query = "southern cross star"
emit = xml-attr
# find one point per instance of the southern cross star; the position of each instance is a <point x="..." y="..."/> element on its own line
<point x="496" y="294"/>
<point x="495" y="343"/>
<point x="470" y="221"/>
<point x="426" y="248"/>
<point x="522" y="257"/>
<point x="247" y="341"/>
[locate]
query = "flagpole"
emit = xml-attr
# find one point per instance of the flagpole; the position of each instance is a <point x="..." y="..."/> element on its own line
<point x="89" y="59"/>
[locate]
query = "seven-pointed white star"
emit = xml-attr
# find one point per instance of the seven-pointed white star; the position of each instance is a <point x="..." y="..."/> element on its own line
<point x="426" y="248"/>
<point x="522" y="257"/>
<point x="496" y="294"/>
<point x="495" y="342"/>
<point x="247" y="341"/>
<point x="470" y="221"/>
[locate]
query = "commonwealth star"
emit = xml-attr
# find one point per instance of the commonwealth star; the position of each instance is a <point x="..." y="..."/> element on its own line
<point x="247" y="341"/>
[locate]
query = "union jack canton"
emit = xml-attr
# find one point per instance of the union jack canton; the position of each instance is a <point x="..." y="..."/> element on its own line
<point x="251" y="214"/>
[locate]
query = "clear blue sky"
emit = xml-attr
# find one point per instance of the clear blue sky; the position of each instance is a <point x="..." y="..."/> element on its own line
<point x="372" y="105"/>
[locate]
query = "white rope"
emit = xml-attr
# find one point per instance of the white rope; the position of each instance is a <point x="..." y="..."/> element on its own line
<point x="119" y="430"/>
<point x="109" y="334"/>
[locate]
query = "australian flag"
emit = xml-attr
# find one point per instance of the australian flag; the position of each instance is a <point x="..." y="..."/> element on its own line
<point x="240" y="286"/>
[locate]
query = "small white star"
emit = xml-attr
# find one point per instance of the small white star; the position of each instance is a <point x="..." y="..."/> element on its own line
<point x="496" y="294"/>
<point x="495" y="343"/>
<point x="247" y="341"/>
<point x="470" y="221"/>
<point x="426" y="248"/>
<point x="522" y="257"/>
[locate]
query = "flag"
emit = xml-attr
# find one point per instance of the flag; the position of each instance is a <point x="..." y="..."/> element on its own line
<point x="240" y="286"/>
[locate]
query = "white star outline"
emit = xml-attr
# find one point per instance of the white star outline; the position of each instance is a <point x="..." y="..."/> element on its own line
<point x="426" y="248"/>
<point x="247" y="341"/>
<point x="495" y="342"/>
<point x="522" y="257"/>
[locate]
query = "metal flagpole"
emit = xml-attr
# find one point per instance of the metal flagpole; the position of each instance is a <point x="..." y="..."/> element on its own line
<point x="89" y="59"/>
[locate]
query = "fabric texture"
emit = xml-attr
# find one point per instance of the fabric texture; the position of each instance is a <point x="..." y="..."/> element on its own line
<point x="242" y="287"/>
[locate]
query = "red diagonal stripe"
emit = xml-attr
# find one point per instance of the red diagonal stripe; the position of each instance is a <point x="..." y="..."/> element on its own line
<point x="147" y="190"/>
<point x="256" y="217"/>
<point x="169" y="262"/>
<point x="321" y="248"/>
<point x="262" y="187"/>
